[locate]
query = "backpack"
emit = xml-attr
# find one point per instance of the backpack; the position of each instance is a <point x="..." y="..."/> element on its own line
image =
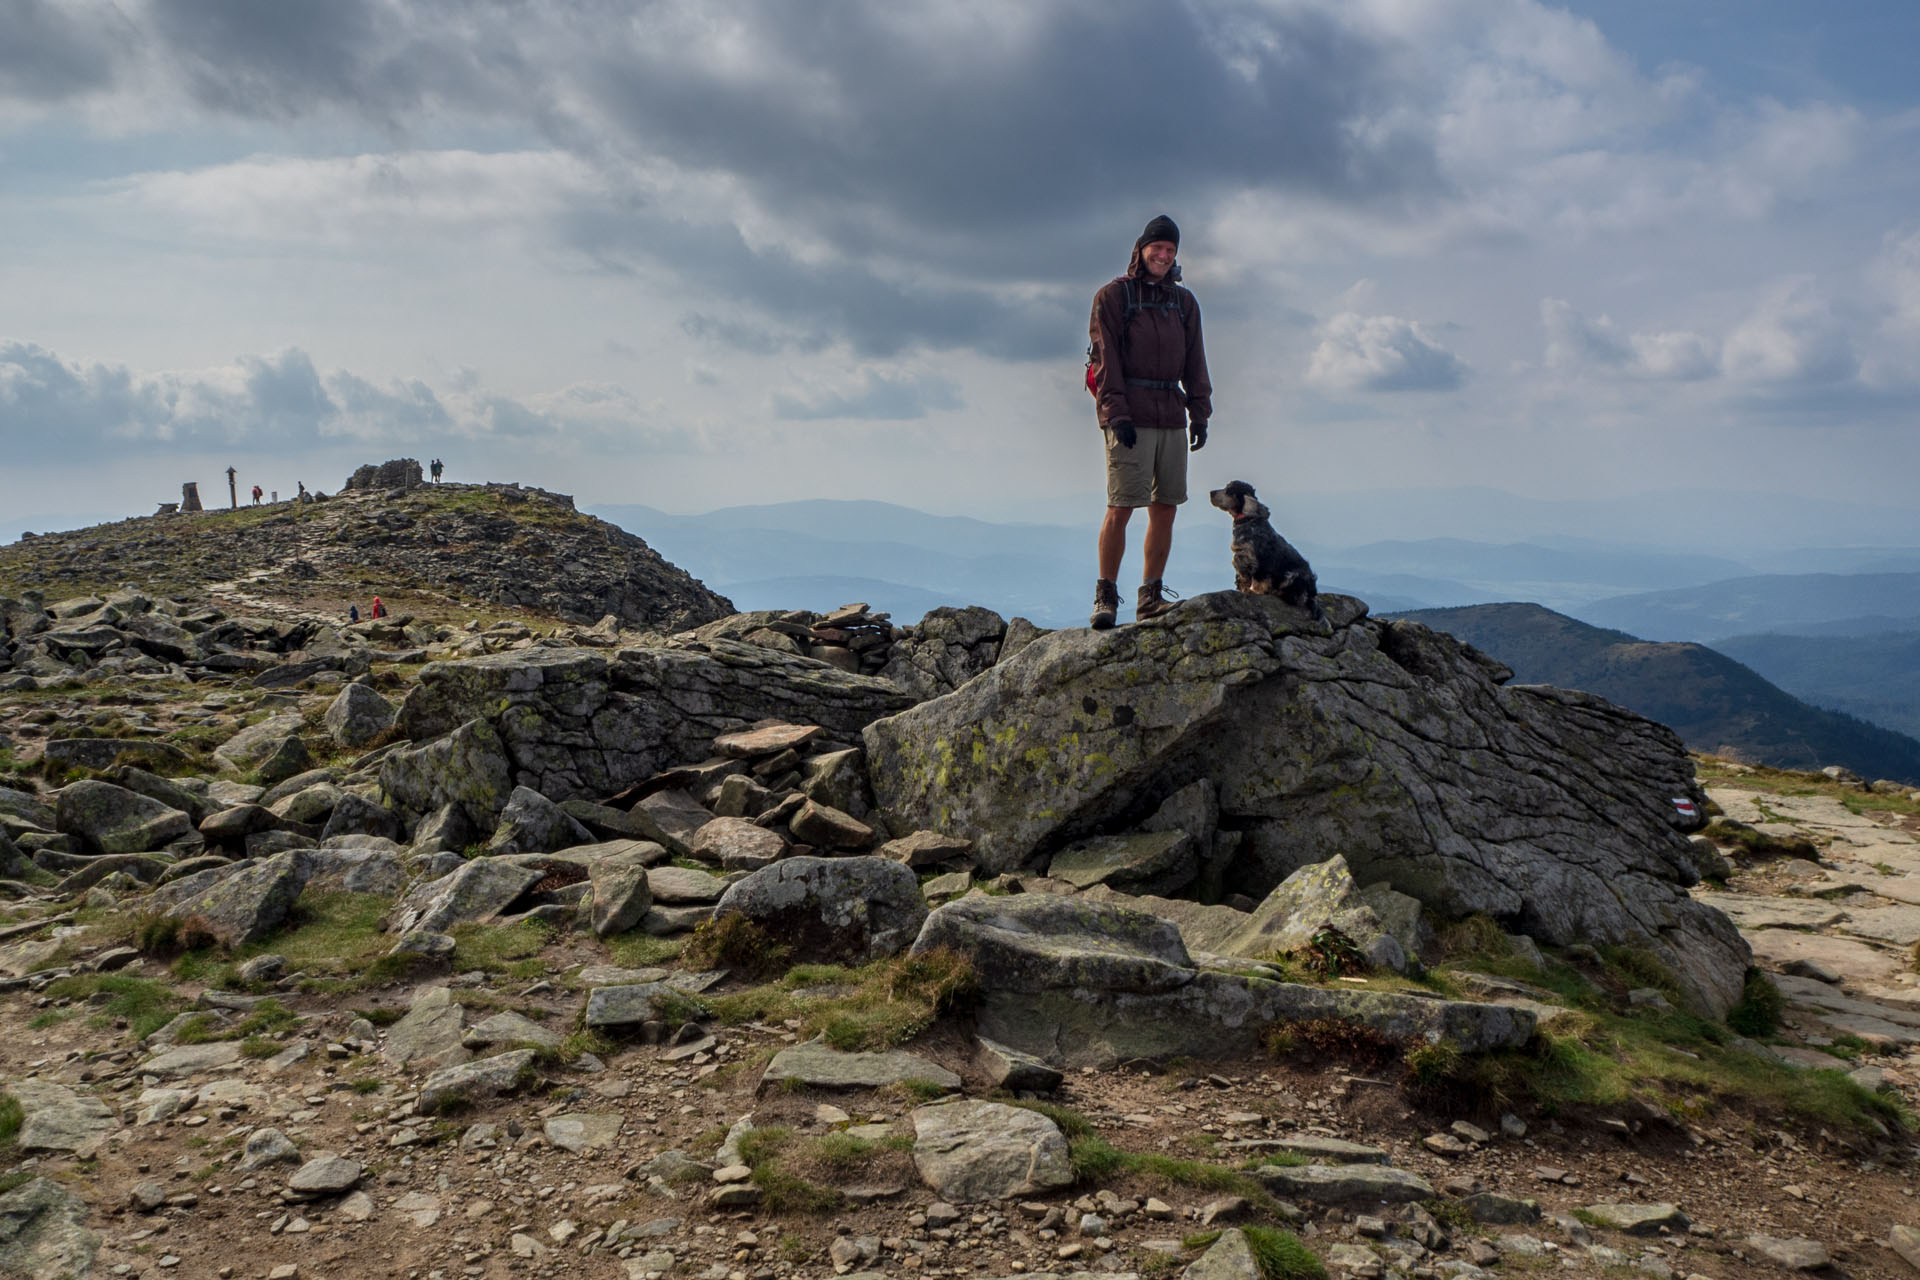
<point x="1126" y="320"/>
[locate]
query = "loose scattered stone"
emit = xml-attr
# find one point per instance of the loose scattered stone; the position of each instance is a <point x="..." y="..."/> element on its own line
<point x="325" y="1176"/>
<point x="1344" y="1184"/>
<point x="474" y="1081"/>
<point x="1638" y="1219"/>
<point x="584" y="1132"/>
<point x="973" y="1151"/>
<point x="816" y="1065"/>
<point x="1794" y="1255"/>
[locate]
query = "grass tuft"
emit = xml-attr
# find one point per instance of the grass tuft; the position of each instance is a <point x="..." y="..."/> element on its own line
<point x="1281" y="1256"/>
<point x="735" y="942"/>
<point x="1760" y="1008"/>
<point x="146" y="1004"/>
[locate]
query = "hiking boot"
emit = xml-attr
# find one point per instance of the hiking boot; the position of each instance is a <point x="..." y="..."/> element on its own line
<point x="1155" y="599"/>
<point x="1106" y="603"/>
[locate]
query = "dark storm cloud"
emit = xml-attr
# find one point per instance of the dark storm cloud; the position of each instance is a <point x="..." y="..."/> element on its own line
<point x="49" y="52"/>
<point x="965" y="150"/>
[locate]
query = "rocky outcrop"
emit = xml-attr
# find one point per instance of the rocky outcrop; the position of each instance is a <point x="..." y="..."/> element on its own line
<point x="1083" y="983"/>
<point x="585" y="723"/>
<point x="396" y="473"/>
<point x="1389" y="744"/>
<point x="500" y="544"/>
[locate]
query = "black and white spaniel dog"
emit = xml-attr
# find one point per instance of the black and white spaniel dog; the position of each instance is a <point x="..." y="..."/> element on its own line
<point x="1264" y="563"/>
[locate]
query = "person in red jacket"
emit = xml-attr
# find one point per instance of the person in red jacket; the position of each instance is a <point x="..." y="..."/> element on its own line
<point x="1153" y="399"/>
<point x="379" y="610"/>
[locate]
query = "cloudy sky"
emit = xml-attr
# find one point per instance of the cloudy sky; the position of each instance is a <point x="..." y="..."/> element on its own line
<point x="694" y="254"/>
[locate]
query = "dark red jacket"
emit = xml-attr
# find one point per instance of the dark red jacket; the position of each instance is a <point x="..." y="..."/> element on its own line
<point x="1162" y="344"/>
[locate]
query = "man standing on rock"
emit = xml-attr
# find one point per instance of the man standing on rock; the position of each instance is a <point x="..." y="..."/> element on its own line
<point x="1148" y="374"/>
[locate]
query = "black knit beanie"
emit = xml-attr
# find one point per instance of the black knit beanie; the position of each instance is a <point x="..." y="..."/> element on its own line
<point x="1161" y="228"/>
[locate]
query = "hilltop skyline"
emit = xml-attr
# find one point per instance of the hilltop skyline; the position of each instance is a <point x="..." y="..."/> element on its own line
<point x="693" y="259"/>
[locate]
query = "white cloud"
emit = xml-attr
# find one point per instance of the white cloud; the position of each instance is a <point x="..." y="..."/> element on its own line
<point x="1382" y="353"/>
<point x="1577" y="344"/>
<point x="1792" y="337"/>
<point x="877" y="395"/>
<point x="281" y="403"/>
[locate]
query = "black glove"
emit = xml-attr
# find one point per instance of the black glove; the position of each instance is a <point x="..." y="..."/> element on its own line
<point x="1197" y="433"/>
<point x="1124" y="432"/>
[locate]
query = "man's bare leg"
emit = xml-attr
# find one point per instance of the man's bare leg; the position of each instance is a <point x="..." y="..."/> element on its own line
<point x="1113" y="541"/>
<point x="1159" y="540"/>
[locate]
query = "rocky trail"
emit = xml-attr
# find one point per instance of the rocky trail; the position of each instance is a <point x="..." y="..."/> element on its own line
<point x="1230" y="944"/>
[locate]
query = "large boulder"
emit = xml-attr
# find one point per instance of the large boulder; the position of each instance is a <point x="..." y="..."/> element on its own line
<point x="358" y="716"/>
<point x="832" y="910"/>
<point x="255" y="746"/>
<point x="585" y="723"/>
<point x="112" y="819"/>
<point x="1080" y="983"/>
<point x="1392" y="745"/>
<point x="466" y="768"/>
<point x="247" y="904"/>
<point x="531" y="823"/>
<point x="478" y="890"/>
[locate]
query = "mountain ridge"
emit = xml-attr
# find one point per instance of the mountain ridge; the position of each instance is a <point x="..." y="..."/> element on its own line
<point x="1714" y="703"/>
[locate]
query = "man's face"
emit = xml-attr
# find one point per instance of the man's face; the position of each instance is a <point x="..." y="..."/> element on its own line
<point x="1157" y="257"/>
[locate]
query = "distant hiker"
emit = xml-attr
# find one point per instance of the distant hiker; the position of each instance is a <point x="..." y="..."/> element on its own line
<point x="1147" y="370"/>
<point x="379" y="610"/>
<point x="353" y="613"/>
<point x="256" y="495"/>
<point x="436" y="468"/>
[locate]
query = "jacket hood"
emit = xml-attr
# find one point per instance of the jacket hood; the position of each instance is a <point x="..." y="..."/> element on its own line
<point x="1138" y="270"/>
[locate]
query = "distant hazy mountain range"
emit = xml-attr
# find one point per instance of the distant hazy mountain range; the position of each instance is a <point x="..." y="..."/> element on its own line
<point x="798" y="554"/>
<point x="1838" y="604"/>
<point x="818" y="554"/>
<point x="1875" y="677"/>
<point x="1713" y="702"/>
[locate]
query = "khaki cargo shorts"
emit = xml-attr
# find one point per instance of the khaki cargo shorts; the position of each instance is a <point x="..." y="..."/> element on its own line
<point x="1153" y="471"/>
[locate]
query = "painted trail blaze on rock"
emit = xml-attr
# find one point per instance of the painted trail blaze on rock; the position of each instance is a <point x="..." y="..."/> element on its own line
<point x="1396" y="746"/>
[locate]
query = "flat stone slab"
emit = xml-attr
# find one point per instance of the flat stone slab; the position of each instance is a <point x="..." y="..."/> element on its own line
<point x="1898" y="925"/>
<point x="817" y="1065"/>
<point x="508" y="1027"/>
<point x="1638" y="1219"/>
<point x="1323" y="1150"/>
<point x="972" y="1151"/>
<point x="684" y="886"/>
<point x="1807" y="993"/>
<point x="1794" y="1255"/>
<point x="1737" y="804"/>
<point x="629" y="1006"/>
<point x="1344" y="1183"/>
<point x="429" y="1036"/>
<point x="583" y="1132"/>
<point x="472" y="1081"/>
<point x="1853" y="960"/>
<point x="325" y="1176"/>
<point x="612" y="975"/>
<point x="189" y="1059"/>
<point x="766" y="741"/>
<point x="1751" y="912"/>
<point x="43" y="1232"/>
<point x="55" y="1118"/>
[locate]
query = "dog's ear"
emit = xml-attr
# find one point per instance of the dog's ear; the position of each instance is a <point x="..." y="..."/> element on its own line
<point x="1253" y="508"/>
